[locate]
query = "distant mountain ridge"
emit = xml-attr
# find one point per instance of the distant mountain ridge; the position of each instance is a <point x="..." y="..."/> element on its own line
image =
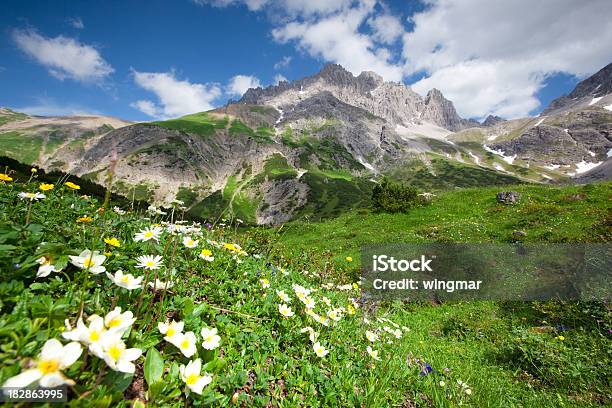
<point x="392" y="101"/>
<point x="315" y="147"/>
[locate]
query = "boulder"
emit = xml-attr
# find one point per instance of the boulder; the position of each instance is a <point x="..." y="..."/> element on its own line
<point x="508" y="197"/>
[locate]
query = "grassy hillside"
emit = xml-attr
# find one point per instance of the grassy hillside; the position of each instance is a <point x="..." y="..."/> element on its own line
<point x="544" y="214"/>
<point x="473" y="354"/>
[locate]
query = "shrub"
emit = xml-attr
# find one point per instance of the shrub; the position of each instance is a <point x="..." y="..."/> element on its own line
<point x="392" y="197"/>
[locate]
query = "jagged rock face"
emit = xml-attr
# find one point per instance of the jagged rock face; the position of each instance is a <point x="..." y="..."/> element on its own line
<point x="280" y="201"/>
<point x="441" y="111"/>
<point x="394" y="102"/>
<point x="549" y="144"/>
<point x="492" y="120"/>
<point x="598" y="85"/>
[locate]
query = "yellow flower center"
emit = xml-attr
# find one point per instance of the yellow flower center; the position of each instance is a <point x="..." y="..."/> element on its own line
<point x="125" y="279"/>
<point x="48" y="366"/>
<point x="88" y="262"/>
<point x="94" y="335"/>
<point x="150" y="264"/>
<point x="115" y="352"/>
<point x="170" y="332"/>
<point x="192" y="379"/>
<point x="190" y="242"/>
<point x="185" y="344"/>
<point x="148" y="234"/>
<point x="114" y="322"/>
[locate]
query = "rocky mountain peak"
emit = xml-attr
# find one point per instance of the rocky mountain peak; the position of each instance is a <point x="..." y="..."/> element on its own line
<point x="596" y="86"/>
<point x="492" y="120"/>
<point x="435" y="94"/>
<point x="372" y="78"/>
<point x="441" y="111"/>
<point x="395" y="102"/>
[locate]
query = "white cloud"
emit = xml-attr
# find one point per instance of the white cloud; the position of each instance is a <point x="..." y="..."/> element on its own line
<point x="336" y="38"/>
<point x="386" y="28"/>
<point x="285" y="8"/>
<point x="253" y="5"/>
<point x="330" y="30"/>
<point x="76" y="22"/>
<point x="492" y="57"/>
<point x="279" y="78"/>
<point x="175" y="97"/>
<point x="64" y="57"/>
<point x="283" y="63"/>
<point x="148" y="108"/>
<point x="239" y="84"/>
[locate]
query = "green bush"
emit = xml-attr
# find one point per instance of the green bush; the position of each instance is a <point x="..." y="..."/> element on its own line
<point x="394" y="197"/>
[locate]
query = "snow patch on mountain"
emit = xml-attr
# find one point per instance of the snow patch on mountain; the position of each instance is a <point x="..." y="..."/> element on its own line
<point x="595" y="100"/>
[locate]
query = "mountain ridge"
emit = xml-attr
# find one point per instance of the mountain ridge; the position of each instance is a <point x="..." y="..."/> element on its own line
<point x="313" y="147"/>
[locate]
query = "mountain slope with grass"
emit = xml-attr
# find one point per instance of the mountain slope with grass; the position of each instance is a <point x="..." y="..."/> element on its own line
<point x="282" y="321"/>
<point x="315" y="147"/>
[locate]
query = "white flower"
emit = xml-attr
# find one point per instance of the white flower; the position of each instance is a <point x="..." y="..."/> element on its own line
<point x="45" y="267"/>
<point x="211" y="338"/>
<point x="468" y="391"/>
<point x="91" y="261"/>
<point x="283" y="296"/>
<point x="119" y="322"/>
<point x="206" y="254"/>
<point x="171" y="330"/>
<point x="89" y="335"/>
<point x="285" y="310"/>
<point x="300" y="291"/>
<point x="186" y="343"/>
<point x="371" y="336"/>
<point x="118" y="210"/>
<point x="154" y="210"/>
<point x="148" y="234"/>
<point x="53" y="358"/>
<point x="31" y="196"/>
<point x="334" y="315"/>
<point x="319" y="350"/>
<point x="397" y="333"/>
<point x="442" y="383"/>
<point x="149" y="261"/>
<point x="326" y="300"/>
<point x="309" y="302"/>
<point x="159" y="285"/>
<point x="373" y="353"/>
<point x="191" y="375"/>
<point x="126" y="281"/>
<point x="189" y="242"/>
<point x="319" y="319"/>
<point x="117" y="356"/>
<point x="264" y="283"/>
<point x="312" y="334"/>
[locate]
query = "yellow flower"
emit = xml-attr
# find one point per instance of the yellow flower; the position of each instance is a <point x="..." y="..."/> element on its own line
<point x="34" y="170"/>
<point x="349" y="259"/>
<point x="230" y="247"/>
<point x="5" y="177"/>
<point x="84" y="219"/>
<point x="206" y="252"/>
<point x="46" y="187"/>
<point x="112" y="242"/>
<point x="71" y="185"/>
<point x="561" y="338"/>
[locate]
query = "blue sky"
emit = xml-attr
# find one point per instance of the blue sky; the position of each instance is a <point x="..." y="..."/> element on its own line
<point x="158" y="59"/>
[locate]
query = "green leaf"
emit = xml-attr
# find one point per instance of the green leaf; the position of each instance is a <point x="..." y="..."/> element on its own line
<point x="118" y="381"/>
<point x="153" y="366"/>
